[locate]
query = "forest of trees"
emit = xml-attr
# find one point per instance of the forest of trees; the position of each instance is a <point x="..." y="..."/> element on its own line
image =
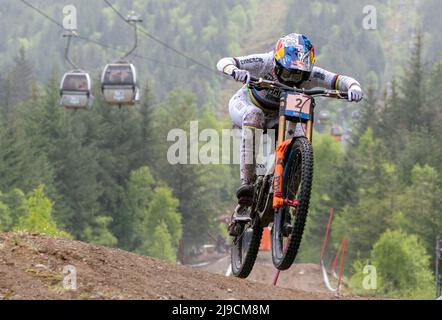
<point x="386" y="185"/>
<point x="103" y="177"/>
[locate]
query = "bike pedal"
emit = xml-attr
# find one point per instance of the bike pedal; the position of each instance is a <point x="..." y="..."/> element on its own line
<point x="245" y="218"/>
<point x="241" y="214"/>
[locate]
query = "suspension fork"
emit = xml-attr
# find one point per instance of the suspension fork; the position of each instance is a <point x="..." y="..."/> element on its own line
<point x="309" y="130"/>
<point x="310" y="122"/>
<point x="282" y="122"/>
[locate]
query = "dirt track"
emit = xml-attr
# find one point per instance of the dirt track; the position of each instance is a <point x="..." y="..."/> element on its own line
<point x="304" y="277"/>
<point x="31" y="267"/>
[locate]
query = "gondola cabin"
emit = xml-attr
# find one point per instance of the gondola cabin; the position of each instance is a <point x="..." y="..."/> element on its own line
<point x="119" y="84"/>
<point x="75" y="90"/>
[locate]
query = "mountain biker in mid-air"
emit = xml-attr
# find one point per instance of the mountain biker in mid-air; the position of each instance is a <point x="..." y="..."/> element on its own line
<point x="291" y="63"/>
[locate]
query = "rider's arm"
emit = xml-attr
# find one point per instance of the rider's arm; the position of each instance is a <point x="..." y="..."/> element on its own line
<point x="256" y="64"/>
<point x="331" y="81"/>
<point x="227" y="65"/>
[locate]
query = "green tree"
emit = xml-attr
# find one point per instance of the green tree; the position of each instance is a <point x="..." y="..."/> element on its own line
<point x="361" y="223"/>
<point x="98" y="232"/>
<point x="20" y="80"/>
<point x="145" y="140"/>
<point x="14" y="204"/>
<point x="22" y="164"/>
<point x="403" y="264"/>
<point x="162" y="246"/>
<point x="5" y="217"/>
<point x="328" y="157"/>
<point x="39" y="215"/>
<point x="421" y="205"/>
<point x="65" y="138"/>
<point x="135" y="213"/>
<point x="413" y="113"/>
<point x="162" y="210"/>
<point x="187" y="181"/>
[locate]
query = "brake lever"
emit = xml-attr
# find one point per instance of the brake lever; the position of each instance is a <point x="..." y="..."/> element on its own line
<point x="336" y="94"/>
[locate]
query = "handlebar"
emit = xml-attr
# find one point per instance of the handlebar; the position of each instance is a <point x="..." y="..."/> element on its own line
<point x="262" y="83"/>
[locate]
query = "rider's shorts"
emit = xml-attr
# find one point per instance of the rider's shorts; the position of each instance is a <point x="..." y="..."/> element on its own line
<point x="244" y="112"/>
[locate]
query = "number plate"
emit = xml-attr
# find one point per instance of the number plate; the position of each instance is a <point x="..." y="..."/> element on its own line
<point x="299" y="106"/>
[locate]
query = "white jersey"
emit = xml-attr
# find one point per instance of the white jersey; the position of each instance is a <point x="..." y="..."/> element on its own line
<point x="262" y="66"/>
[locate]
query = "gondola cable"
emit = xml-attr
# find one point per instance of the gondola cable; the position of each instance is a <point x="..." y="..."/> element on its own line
<point x="105" y="46"/>
<point x="150" y="36"/>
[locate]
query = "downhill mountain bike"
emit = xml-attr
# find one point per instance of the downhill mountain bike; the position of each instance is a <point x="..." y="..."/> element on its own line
<point x="282" y="185"/>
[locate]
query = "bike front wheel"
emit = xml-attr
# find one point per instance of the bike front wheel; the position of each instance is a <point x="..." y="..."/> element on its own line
<point x="289" y="222"/>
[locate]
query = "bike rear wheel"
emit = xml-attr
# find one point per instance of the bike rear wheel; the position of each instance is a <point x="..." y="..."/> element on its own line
<point x="289" y="222"/>
<point x="245" y="247"/>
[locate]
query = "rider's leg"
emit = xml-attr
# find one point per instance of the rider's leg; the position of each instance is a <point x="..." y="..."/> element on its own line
<point x="250" y="118"/>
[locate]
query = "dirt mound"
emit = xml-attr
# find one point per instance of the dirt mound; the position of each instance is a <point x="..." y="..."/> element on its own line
<point x="31" y="267"/>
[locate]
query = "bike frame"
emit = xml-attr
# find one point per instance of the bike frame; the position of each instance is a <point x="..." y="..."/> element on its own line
<point x="267" y="213"/>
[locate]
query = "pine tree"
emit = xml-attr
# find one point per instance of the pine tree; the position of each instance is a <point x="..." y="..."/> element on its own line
<point x="15" y="200"/>
<point x="146" y="142"/>
<point x="23" y="164"/>
<point x="61" y="136"/>
<point x="129" y="225"/>
<point x="328" y="157"/>
<point x="20" y="80"/>
<point x="5" y="216"/>
<point x="376" y="190"/>
<point x="369" y="114"/>
<point x="421" y="205"/>
<point x="187" y="181"/>
<point x="117" y="153"/>
<point x="412" y="113"/>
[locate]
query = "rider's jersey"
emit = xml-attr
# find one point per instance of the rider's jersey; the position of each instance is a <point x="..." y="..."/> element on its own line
<point x="262" y="66"/>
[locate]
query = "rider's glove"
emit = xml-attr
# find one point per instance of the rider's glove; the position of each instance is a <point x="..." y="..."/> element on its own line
<point x="241" y="75"/>
<point x="355" y="93"/>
